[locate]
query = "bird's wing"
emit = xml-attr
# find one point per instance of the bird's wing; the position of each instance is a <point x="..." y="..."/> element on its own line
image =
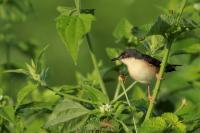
<point x="151" y="60"/>
<point x="155" y="62"/>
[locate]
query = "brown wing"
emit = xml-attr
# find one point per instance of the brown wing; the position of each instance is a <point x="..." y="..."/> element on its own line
<point x="151" y="60"/>
<point x="156" y="63"/>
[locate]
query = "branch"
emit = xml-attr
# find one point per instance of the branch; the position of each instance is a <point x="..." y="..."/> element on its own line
<point x="163" y="64"/>
<point x="91" y="51"/>
<point x="94" y="61"/>
<point x="158" y="82"/>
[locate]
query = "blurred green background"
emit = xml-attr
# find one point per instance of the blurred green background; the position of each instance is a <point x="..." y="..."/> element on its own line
<point x="41" y="26"/>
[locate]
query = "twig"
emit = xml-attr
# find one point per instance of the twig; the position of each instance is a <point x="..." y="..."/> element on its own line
<point x="120" y="95"/>
<point x="117" y="90"/>
<point x="124" y="90"/>
<point x="94" y="61"/>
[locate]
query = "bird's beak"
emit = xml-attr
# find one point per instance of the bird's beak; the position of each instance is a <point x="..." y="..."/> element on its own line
<point x="115" y="59"/>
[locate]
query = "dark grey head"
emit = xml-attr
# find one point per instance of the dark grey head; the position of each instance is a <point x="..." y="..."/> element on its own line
<point x="128" y="53"/>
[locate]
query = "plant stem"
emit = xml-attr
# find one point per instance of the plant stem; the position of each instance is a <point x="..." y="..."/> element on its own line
<point x="124" y="90"/>
<point x="117" y="90"/>
<point x="94" y="61"/>
<point x="77" y="4"/>
<point x="158" y="82"/>
<point x="69" y="96"/>
<point x="119" y="96"/>
<point x="91" y="51"/>
<point x="163" y="64"/>
<point x="183" y="4"/>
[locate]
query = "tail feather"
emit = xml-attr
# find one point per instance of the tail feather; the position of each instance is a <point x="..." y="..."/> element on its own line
<point x="171" y="68"/>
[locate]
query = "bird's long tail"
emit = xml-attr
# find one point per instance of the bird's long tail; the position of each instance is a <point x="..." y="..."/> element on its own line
<point x="171" y="67"/>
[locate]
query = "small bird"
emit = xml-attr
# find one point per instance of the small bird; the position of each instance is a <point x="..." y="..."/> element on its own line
<point x="143" y="68"/>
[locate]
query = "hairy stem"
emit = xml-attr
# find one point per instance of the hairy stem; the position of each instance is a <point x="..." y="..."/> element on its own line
<point x="94" y="61"/>
<point x="158" y="82"/>
<point x="183" y="4"/>
<point x="77" y="4"/>
<point x="92" y="54"/>
<point x="163" y="64"/>
<point x="117" y="90"/>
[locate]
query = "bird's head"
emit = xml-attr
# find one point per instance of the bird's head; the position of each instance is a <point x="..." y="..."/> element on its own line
<point x="128" y="55"/>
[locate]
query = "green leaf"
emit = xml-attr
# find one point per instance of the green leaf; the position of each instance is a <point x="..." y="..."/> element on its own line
<point x="24" y="92"/>
<point x="155" y="43"/>
<point x="174" y="122"/>
<point x="72" y="30"/>
<point x="64" y="10"/>
<point x="112" y="52"/>
<point x="186" y="46"/>
<point x="170" y="117"/>
<point x="125" y="127"/>
<point x="163" y="24"/>
<point x="94" y="95"/>
<point x="35" y="106"/>
<point x="153" y="125"/>
<point x="8" y="113"/>
<point x="123" y="30"/>
<point x="20" y="71"/>
<point x="69" y="112"/>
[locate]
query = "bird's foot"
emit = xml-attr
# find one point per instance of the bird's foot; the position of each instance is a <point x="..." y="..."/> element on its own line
<point x="158" y="77"/>
<point x="150" y="99"/>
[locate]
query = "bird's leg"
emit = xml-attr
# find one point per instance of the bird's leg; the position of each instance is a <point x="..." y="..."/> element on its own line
<point x="150" y="98"/>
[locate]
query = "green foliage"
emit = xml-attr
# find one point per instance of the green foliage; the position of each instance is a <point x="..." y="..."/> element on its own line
<point x="7" y="112"/>
<point x="124" y="30"/>
<point x="13" y="10"/>
<point x="24" y="92"/>
<point x="174" y="123"/>
<point x="72" y="30"/>
<point x="94" y="95"/>
<point x="85" y="106"/>
<point x="72" y="114"/>
<point x="153" y="125"/>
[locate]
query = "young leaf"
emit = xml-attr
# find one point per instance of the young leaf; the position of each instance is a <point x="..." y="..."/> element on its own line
<point x="94" y="95"/>
<point x="123" y="30"/>
<point x="170" y="117"/>
<point x="67" y="112"/>
<point x="24" y="92"/>
<point x="153" y="125"/>
<point x="112" y="52"/>
<point x="72" y="29"/>
<point x="8" y="113"/>
<point x="154" y="44"/>
<point x="163" y="24"/>
<point x="173" y="121"/>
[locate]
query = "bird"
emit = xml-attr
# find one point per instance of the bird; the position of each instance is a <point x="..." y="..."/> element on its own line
<point x="143" y="68"/>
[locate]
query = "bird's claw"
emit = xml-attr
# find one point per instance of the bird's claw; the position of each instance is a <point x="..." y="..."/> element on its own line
<point x="150" y="99"/>
<point x="158" y="77"/>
